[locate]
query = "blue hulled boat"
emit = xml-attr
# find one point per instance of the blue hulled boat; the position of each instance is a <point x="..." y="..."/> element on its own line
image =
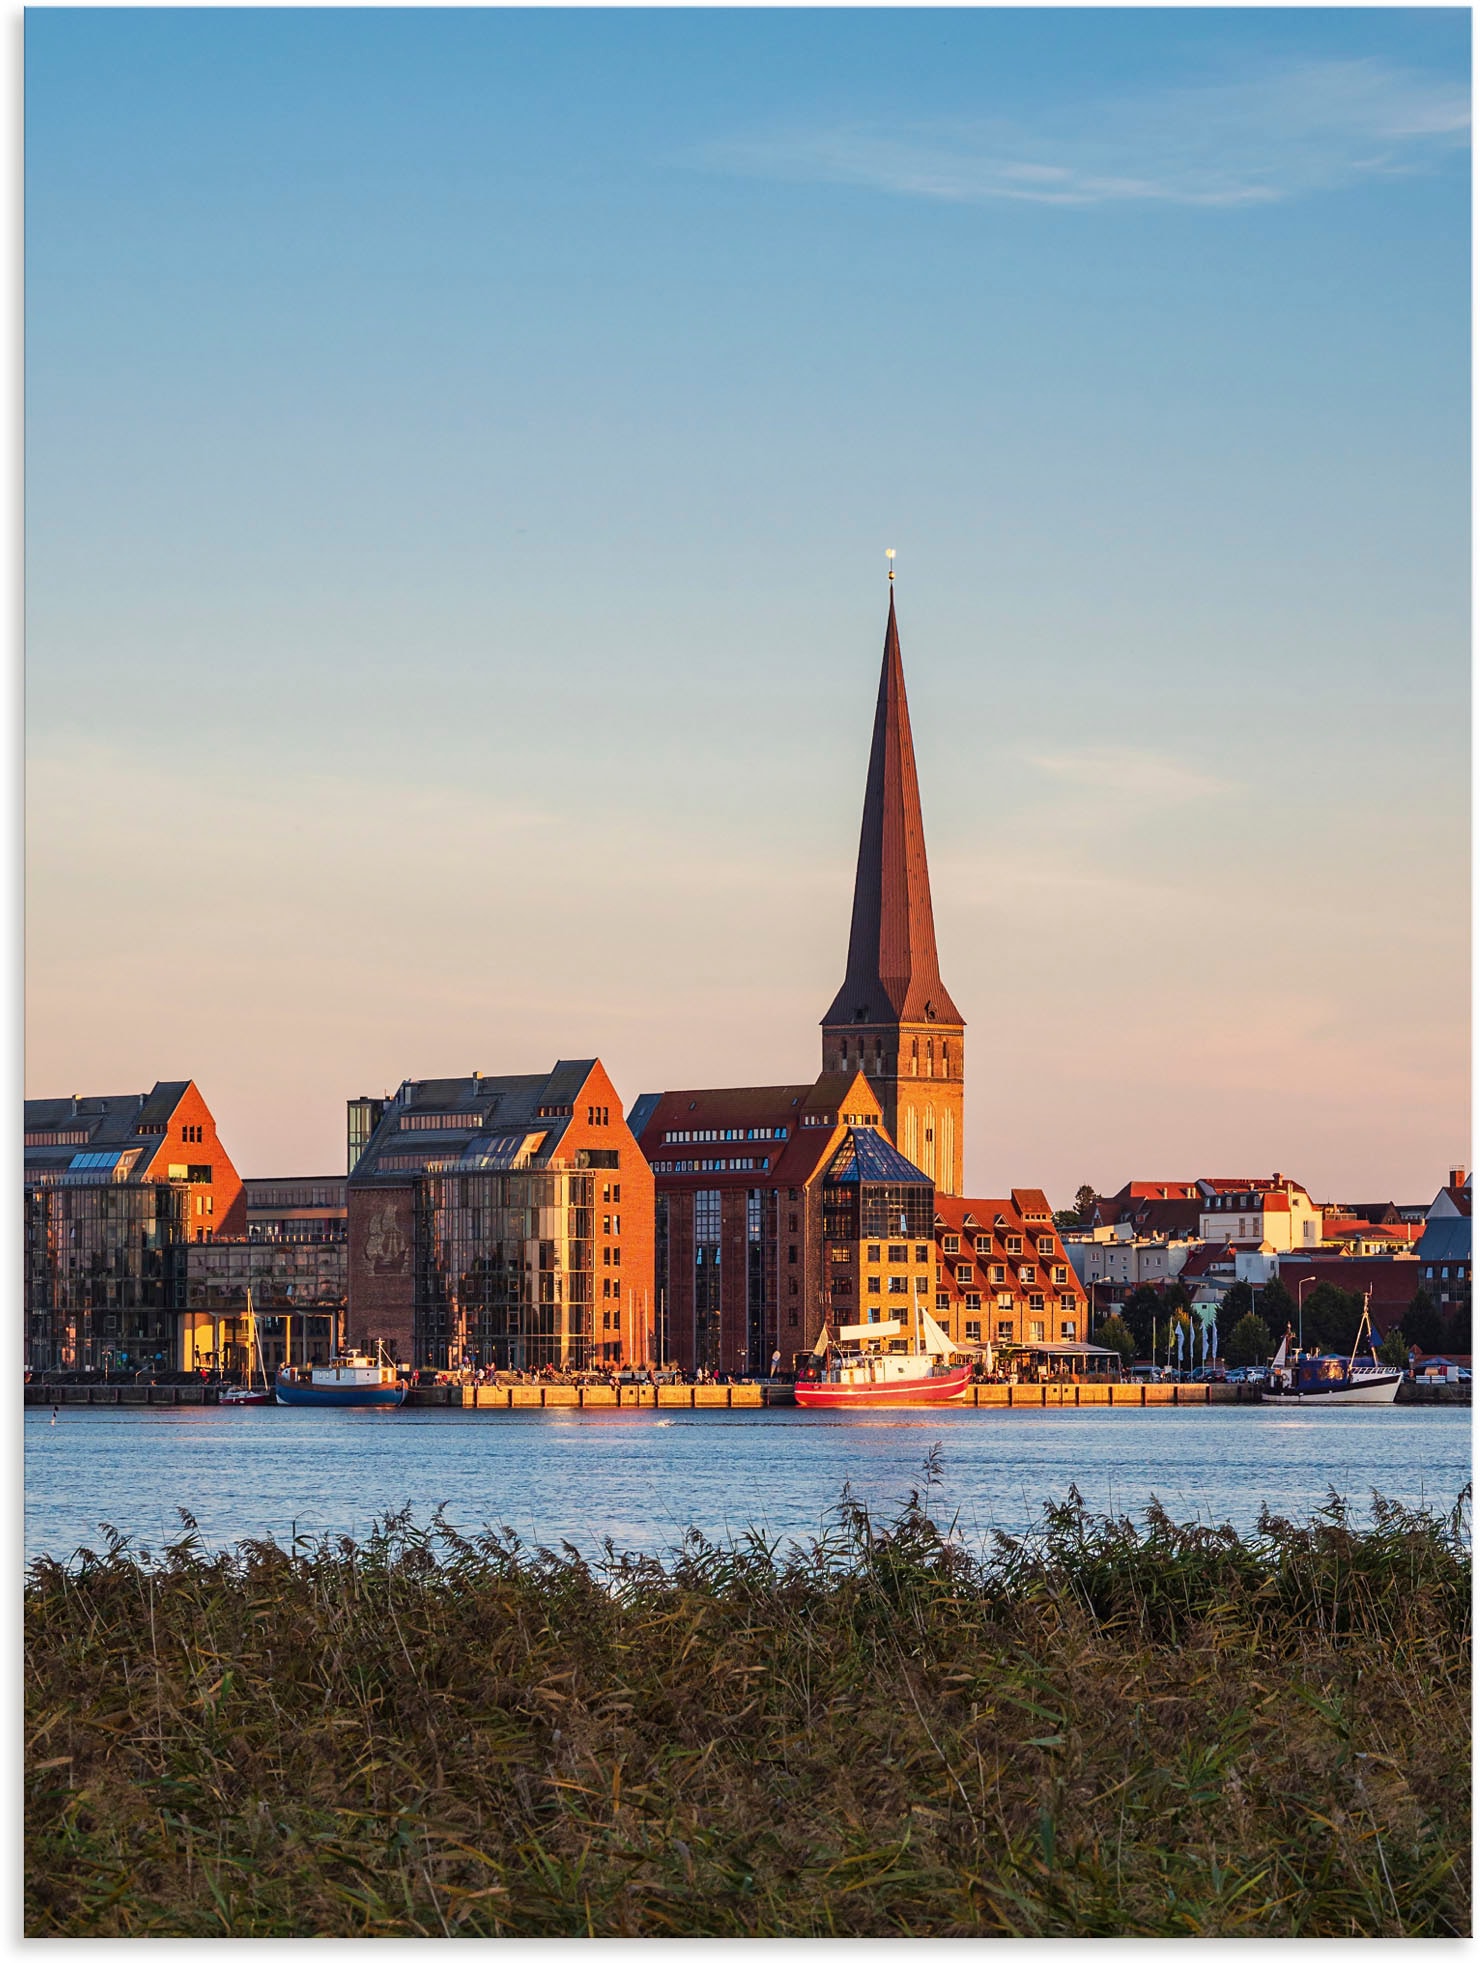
<point x="351" y="1378"/>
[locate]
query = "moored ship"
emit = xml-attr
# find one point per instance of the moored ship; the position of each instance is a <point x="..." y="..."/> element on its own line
<point x="853" y="1375"/>
<point x="348" y="1379"/>
<point x="1333" y="1379"/>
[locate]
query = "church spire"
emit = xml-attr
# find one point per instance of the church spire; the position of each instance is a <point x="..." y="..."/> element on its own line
<point x="893" y="972"/>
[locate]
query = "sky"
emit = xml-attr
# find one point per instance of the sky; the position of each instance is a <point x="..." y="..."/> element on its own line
<point x="461" y="448"/>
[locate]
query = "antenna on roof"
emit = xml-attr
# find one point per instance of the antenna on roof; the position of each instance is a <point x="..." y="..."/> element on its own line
<point x="889" y="555"/>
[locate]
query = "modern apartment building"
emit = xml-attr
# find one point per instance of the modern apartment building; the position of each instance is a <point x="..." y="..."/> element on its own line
<point x="117" y="1188"/>
<point x="501" y="1221"/>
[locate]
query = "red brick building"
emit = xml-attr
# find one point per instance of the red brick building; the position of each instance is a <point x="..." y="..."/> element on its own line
<point x="501" y="1221"/>
<point x="115" y="1189"/>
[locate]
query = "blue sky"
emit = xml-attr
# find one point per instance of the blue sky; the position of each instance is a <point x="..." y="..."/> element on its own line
<point x="460" y="452"/>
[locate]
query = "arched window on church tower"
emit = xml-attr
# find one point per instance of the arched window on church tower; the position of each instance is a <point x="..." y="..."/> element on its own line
<point x="914" y="1056"/>
<point x="945" y="1059"/>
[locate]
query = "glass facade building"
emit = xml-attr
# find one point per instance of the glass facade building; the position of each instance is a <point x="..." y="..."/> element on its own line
<point x="505" y="1269"/>
<point x="104" y="1271"/>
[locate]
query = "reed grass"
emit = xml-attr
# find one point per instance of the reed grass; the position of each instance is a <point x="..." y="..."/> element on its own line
<point x="1106" y="1727"/>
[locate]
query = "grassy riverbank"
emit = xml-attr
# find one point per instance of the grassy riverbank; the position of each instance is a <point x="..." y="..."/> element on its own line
<point x="1101" y="1730"/>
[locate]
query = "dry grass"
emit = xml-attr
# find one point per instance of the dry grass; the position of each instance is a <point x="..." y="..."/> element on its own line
<point x="1102" y="1730"/>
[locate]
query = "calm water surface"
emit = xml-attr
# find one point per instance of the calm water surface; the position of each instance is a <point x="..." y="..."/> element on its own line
<point x="643" y="1478"/>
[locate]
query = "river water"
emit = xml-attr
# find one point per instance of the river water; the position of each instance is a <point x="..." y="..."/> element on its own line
<point x="643" y="1478"/>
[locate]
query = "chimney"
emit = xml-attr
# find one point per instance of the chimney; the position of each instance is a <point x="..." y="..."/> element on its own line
<point x="1456" y="1178"/>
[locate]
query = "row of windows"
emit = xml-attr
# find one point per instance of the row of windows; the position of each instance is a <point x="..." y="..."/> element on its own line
<point x="62" y="1137"/>
<point x="732" y="1133"/>
<point x="598" y="1114"/>
<point x="192" y="1134"/>
<point x="712" y="1165"/>
<point x="438" y="1121"/>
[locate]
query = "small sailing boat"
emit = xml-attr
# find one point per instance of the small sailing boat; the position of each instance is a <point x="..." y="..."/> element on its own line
<point x="1333" y="1379"/>
<point x="871" y="1367"/>
<point x="251" y="1392"/>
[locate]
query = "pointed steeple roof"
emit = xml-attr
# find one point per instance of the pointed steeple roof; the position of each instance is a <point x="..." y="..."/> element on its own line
<point x="893" y="971"/>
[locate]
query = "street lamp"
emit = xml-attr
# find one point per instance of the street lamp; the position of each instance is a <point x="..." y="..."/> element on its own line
<point x="1300" y="1288"/>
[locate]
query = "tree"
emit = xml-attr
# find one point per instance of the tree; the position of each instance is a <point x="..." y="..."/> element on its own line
<point x="1248" y="1340"/>
<point x="1277" y="1305"/>
<point x="1331" y="1317"/>
<point x="1066" y="1220"/>
<point x="1114" y="1334"/>
<point x="1084" y="1199"/>
<point x="1139" y="1312"/>
<point x="1457" y="1331"/>
<point x="1237" y="1303"/>
<point x="1422" y="1324"/>
<point x="1393" y="1349"/>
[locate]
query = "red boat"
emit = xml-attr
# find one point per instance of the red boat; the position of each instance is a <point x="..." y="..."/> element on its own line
<point x="870" y="1367"/>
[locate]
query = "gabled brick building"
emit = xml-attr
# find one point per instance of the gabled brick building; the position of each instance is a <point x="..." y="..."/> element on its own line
<point x="501" y="1221"/>
<point x="116" y="1188"/>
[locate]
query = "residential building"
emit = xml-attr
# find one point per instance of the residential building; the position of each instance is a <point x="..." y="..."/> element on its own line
<point x="1444" y="1251"/>
<point x="116" y="1188"/>
<point x="1005" y="1273"/>
<point x="1251" y="1211"/>
<point x="1116" y="1260"/>
<point x="1169" y="1209"/>
<point x="503" y="1222"/>
<point x="893" y="1017"/>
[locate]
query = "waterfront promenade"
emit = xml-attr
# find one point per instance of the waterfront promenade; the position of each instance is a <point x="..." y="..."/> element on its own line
<point x="729" y="1397"/>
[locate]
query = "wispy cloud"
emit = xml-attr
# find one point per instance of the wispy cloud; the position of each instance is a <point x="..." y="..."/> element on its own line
<point x="1254" y="140"/>
<point x="1143" y="777"/>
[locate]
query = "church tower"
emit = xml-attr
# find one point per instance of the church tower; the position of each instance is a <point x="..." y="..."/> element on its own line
<point x="892" y="1017"/>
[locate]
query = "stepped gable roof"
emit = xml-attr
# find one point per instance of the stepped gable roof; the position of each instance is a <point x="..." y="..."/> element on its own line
<point x="102" y="1124"/>
<point x="893" y="972"/>
<point x="490" y="1121"/>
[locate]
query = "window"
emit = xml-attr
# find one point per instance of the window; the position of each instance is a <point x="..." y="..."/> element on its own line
<point x="973" y="1332"/>
<point x="1066" y="1331"/>
<point x="1035" y="1301"/>
<point x="1014" y="1243"/>
<point x="922" y="1254"/>
<point x="842" y="1285"/>
<point x="873" y="1255"/>
<point x="617" y="1195"/>
<point x="1045" y="1245"/>
<point x="1035" y="1332"/>
<point x="616" y="1257"/>
<point x="1004" y="1329"/>
<point x="984" y="1243"/>
<point x="899" y="1284"/>
<point x="791" y="1257"/>
<point x="997" y="1276"/>
<point x="1066" y="1301"/>
<point x="1027" y="1272"/>
<point x="964" y="1272"/>
<point x="922" y="1284"/>
<point x="841" y="1255"/>
<point x="606" y="1223"/>
<point x="791" y="1289"/>
<point x="791" y="1316"/>
<point x="1060" y="1275"/>
<point x="950" y="1243"/>
<point x="943" y="1302"/>
<point x="971" y="1300"/>
<point x="898" y="1253"/>
<point x="873" y="1284"/>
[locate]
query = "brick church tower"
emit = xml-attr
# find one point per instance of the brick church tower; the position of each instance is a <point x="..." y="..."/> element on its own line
<point x="893" y="1017"/>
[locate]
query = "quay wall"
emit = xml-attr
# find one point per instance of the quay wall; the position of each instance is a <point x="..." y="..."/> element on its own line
<point x="729" y="1397"/>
